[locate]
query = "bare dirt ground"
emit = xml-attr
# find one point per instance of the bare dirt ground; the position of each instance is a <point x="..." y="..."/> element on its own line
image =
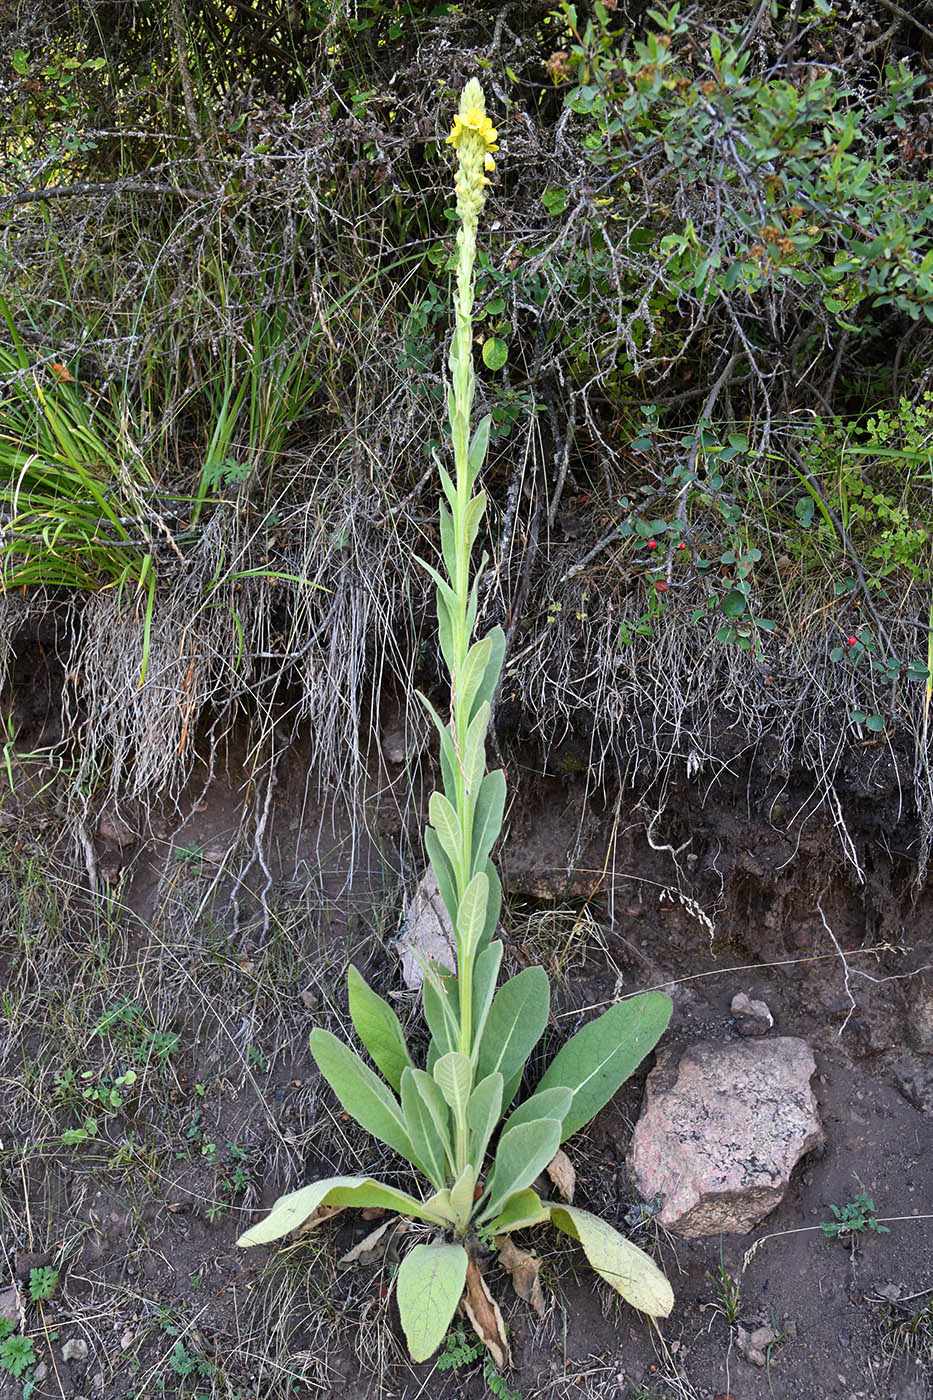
<point x="157" y="1094"/>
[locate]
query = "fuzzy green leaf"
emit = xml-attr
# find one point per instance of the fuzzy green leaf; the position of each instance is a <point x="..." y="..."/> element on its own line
<point x="624" y="1266"/>
<point x="446" y="823"/>
<point x="474" y="514"/>
<point x="522" y="1153"/>
<point x="487" y="818"/>
<point x="522" y="1210"/>
<point x="603" y="1054"/>
<point x="448" y="753"/>
<point x="362" y="1093"/>
<point x="461" y="1194"/>
<point x="474" y="750"/>
<point x="453" y="1075"/>
<point x="483" y="1113"/>
<point x="478" y="447"/>
<point x="496" y="638"/>
<point x="471" y="916"/>
<point x="428" y="1288"/>
<point x="441" y="1008"/>
<point x="544" y="1103"/>
<point x="485" y="973"/>
<point x="448" y="539"/>
<point x="292" y="1210"/>
<point x="427" y="1128"/>
<point x="474" y="669"/>
<point x="443" y="871"/>
<point x="378" y="1028"/>
<point x="515" y="1023"/>
<point x="493" y="904"/>
<point x="445" y="632"/>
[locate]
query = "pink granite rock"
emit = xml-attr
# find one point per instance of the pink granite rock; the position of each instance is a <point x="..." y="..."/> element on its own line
<point x="721" y="1130"/>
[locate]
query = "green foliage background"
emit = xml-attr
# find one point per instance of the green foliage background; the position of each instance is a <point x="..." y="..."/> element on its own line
<point x="706" y="296"/>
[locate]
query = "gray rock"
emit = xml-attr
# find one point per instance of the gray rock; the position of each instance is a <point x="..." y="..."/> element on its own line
<point x="751" y="1017"/>
<point x="426" y="932"/>
<point x="721" y="1130"/>
<point x="913" y="1075"/>
<point x="75" y="1349"/>
<point x="920" y="1015"/>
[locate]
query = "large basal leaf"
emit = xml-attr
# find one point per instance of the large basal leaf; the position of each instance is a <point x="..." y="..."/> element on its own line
<point x="453" y="1075"/>
<point x="378" y="1028"/>
<point x="544" y="1103"/>
<point x="362" y="1093"/>
<point x="522" y="1153"/>
<point x="428" y="1288"/>
<point x="603" y="1054"/>
<point x="483" y="1113"/>
<point x="292" y="1210"/>
<point x="521" y="1210"/>
<point x="427" y="1132"/>
<point x="622" y="1264"/>
<point x="515" y="1024"/>
<point x="487" y="818"/>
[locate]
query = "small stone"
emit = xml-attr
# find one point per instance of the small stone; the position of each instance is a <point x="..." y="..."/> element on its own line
<point x="40" y="1373"/>
<point x="97" y="1383"/>
<point x="112" y="827"/>
<point x="751" y="1017"/>
<point x="309" y="1000"/>
<point x="920" y="1015"/>
<point x="721" y="1130"/>
<point x="75" y="1349"/>
<point x="426" y="931"/>
<point x="126" y="1341"/>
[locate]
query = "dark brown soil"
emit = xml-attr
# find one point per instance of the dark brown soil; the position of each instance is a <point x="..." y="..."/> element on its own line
<point x="220" y="979"/>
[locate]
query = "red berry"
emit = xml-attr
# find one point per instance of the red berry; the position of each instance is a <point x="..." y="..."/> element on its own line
<point x="852" y="641"/>
<point x="652" y="544"/>
<point x="681" y="546"/>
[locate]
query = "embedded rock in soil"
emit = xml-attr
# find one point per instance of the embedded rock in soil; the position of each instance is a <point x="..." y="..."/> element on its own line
<point x="920" y="1015"/>
<point x="721" y="1130"/>
<point x="426" y="932"/>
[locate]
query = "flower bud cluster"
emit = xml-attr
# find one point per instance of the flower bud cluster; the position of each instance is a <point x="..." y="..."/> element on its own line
<point x="473" y="137"/>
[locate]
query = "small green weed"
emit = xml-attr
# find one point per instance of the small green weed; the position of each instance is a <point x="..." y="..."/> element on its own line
<point x="854" y="1218"/>
<point x="43" y="1283"/>
<point x="461" y="1350"/>
<point x="728" y="1293"/>
<point x="16" y="1355"/>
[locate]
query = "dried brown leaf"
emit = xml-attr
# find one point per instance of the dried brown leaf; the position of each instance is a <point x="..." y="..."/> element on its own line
<point x="318" y="1216"/>
<point x="483" y="1312"/>
<point x="524" y="1270"/>
<point x="374" y="1247"/>
<point x="560" y="1170"/>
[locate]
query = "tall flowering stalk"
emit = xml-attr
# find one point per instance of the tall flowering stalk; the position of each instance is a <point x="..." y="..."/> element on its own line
<point x="467" y="816"/>
<point x="444" y="1118"/>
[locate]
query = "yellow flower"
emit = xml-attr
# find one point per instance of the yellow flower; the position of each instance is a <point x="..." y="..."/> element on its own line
<point x="474" y="120"/>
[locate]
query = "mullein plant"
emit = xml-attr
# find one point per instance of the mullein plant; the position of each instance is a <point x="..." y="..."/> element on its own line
<point x="446" y="1118"/>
